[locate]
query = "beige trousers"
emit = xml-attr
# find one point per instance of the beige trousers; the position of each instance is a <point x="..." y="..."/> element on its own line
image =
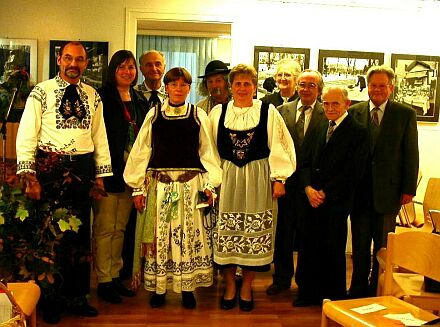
<point x="111" y="215"/>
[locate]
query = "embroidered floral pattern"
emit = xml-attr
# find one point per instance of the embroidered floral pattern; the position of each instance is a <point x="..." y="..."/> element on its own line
<point x="241" y="144"/>
<point x="103" y="169"/>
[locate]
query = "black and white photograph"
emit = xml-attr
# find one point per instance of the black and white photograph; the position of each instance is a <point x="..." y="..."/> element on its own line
<point x="266" y="60"/>
<point x="417" y="84"/>
<point x="97" y="52"/>
<point x="18" y="67"/>
<point x="348" y="68"/>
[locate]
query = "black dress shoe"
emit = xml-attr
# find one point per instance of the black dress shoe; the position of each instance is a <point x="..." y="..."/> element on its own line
<point x="121" y="289"/>
<point x="246" y="305"/>
<point x="157" y="300"/>
<point x="51" y="316"/>
<point x="80" y="306"/>
<point x="275" y="289"/>
<point x="228" y="304"/>
<point x="305" y="302"/>
<point x="108" y="292"/>
<point x="188" y="300"/>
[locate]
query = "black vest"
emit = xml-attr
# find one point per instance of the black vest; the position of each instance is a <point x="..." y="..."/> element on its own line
<point x="175" y="141"/>
<point x="242" y="147"/>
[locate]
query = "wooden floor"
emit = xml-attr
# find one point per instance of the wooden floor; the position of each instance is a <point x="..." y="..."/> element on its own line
<point x="273" y="311"/>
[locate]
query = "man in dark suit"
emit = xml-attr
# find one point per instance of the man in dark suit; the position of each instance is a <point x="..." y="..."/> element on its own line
<point x="302" y="117"/>
<point x="285" y="78"/>
<point x="329" y="177"/>
<point x="390" y="178"/>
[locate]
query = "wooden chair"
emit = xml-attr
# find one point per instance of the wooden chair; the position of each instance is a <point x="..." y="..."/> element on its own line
<point x="27" y="296"/>
<point x="431" y="200"/>
<point x="407" y="213"/>
<point x="418" y="255"/>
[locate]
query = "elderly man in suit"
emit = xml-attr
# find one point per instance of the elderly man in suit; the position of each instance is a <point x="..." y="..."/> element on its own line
<point x="330" y="175"/>
<point x="302" y="116"/>
<point x="390" y="178"/>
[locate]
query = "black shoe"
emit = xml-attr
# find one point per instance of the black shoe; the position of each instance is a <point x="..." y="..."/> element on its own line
<point x="121" y="289"/>
<point x="79" y="306"/>
<point x="157" y="300"/>
<point x="188" y="300"/>
<point x="228" y="304"/>
<point x="246" y="305"/>
<point x="275" y="289"/>
<point x="305" y="302"/>
<point x="107" y="292"/>
<point x="51" y="316"/>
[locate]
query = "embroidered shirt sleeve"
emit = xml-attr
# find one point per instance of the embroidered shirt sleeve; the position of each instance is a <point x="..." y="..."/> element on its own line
<point x="29" y="130"/>
<point x="282" y="158"/>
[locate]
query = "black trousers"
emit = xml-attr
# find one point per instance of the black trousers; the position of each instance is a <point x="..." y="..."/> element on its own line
<point x="73" y="254"/>
<point x="367" y="225"/>
<point x="321" y="270"/>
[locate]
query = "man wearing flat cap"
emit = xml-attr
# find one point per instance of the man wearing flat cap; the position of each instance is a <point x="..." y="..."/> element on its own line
<point x="214" y="85"/>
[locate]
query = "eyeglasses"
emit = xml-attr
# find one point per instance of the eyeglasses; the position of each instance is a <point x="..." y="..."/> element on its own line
<point x="174" y="85"/>
<point x="303" y="85"/>
<point x="68" y="59"/>
<point x="378" y="86"/>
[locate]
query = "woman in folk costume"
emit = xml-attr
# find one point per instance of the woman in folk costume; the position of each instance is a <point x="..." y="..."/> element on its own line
<point x="257" y="155"/>
<point x="175" y="149"/>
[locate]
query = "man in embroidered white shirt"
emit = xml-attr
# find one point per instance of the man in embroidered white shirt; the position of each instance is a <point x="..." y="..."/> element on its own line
<point x="62" y="123"/>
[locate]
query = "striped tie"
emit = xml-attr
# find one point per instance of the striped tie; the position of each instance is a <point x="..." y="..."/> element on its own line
<point x="331" y="129"/>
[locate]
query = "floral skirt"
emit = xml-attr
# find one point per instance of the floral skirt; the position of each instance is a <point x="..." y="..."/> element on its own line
<point x="245" y="229"/>
<point x="182" y="255"/>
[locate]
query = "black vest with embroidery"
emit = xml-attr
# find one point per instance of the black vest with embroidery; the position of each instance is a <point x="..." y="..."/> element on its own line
<point x="242" y="147"/>
<point x="175" y="141"/>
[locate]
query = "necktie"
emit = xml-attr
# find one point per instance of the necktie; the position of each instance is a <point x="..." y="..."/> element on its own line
<point x="299" y="126"/>
<point x="375" y="116"/>
<point x="154" y="99"/>
<point x="71" y="104"/>
<point x="330" y="130"/>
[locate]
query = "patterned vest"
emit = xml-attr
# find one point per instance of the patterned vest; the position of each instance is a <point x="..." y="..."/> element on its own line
<point x="242" y="147"/>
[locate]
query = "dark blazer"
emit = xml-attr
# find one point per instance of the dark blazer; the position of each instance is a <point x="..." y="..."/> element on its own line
<point x="395" y="160"/>
<point x="337" y="166"/>
<point x="289" y="111"/>
<point x="276" y="99"/>
<point x="117" y="131"/>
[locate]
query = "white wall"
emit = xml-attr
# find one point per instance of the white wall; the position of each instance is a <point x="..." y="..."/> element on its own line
<point x="391" y="27"/>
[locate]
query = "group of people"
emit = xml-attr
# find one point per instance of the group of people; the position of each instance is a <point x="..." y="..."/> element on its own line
<point x="231" y="182"/>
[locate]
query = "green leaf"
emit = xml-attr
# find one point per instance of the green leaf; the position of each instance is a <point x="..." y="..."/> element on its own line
<point x="2" y="219"/>
<point x="60" y="213"/>
<point x="64" y="225"/>
<point x="21" y="213"/>
<point x="75" y="223"/>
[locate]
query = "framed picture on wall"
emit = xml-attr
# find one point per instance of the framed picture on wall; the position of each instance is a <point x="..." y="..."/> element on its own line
<point x="96" y="71"/>
<point x="266" y="59"/>
<point x="340" y="67"/>
<point x="417" y="84"/>
<point x="18" y="72"/>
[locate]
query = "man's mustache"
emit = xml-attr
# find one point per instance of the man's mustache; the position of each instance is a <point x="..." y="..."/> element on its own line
<point x="216" y="91"/>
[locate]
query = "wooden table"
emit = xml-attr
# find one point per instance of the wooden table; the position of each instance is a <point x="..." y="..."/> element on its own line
<point x="340" y="312"/>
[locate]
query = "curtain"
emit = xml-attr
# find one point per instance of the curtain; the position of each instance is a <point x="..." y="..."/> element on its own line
<point x="192" y="53"/>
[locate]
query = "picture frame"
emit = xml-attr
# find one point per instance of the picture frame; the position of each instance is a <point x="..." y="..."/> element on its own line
<point x="97" y="53"/>
<point x="348" y="68"/>
<point x="18" y="73"/>
<point x="417" y="84"/>
<point x="266" y="59"/>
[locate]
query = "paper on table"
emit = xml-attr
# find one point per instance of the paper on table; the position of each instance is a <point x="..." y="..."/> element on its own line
<point x="369" y="308"/>
<point x="407" y="318"/>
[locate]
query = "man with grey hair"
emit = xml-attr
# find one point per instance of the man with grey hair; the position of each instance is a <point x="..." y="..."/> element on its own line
<point x="152" y="65"/>
<point x="331" y="174"/>
<point x="303" y="118"/>
<point x="285" y="78"/>
<point x="390" y="178"/>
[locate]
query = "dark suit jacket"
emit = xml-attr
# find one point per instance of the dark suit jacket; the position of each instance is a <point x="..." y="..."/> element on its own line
<point x="337" y="166"/>
<point x="394" y="164"/>
<point x="276" y="99"/>
<point x="289" y="111"/>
